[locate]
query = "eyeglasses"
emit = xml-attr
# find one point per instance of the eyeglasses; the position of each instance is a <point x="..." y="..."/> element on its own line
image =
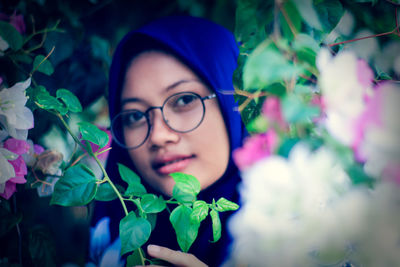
<point x="182" y="112"/>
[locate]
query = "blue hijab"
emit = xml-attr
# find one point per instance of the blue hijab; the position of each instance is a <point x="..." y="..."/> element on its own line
<point x="211" y="52"/>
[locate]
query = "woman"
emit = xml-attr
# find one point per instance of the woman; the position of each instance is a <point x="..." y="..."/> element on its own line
<point x="172" y="63"/>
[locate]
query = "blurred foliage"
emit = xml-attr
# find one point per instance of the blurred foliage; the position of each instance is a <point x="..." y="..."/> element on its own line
<point x="315" y="23"/>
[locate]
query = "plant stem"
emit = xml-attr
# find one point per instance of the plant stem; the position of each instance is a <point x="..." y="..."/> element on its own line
<point x="142" y="258"/>
<point x="98" y="162"/>
<point x="111" y="183"/>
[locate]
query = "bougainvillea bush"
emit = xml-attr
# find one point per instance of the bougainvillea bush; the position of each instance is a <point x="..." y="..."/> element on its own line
<point x="321" y="170"/>
<point x="317" y="87"/>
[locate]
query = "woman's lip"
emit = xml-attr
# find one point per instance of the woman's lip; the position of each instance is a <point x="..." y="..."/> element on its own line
<point x="177" y="164"/>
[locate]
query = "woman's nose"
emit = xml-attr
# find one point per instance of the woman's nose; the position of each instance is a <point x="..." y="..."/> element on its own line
<point x="160" y="133"/>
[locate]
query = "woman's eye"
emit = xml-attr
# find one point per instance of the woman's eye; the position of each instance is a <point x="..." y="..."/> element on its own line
<point x="134" y="118"/>
<point x="185" y="100"/>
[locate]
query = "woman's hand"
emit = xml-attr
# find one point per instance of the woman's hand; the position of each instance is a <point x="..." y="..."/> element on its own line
<point x="177" y="258"/>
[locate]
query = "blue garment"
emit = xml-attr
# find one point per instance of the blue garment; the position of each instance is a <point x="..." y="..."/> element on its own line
<point x="211" y="52"/>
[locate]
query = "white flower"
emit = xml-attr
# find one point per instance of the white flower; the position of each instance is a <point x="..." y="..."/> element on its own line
<point x="344" y="81"/>
<point x="3" y="45"/>
<point x="379" y="145"/>
<point x="304" y="211"/>
<point x="6" y="169"/>
<point x="12" y="108"/>
<point x="284" y="202"/>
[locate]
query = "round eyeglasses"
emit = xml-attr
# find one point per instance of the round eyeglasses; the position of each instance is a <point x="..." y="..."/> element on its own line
<point x="182" y="112"/>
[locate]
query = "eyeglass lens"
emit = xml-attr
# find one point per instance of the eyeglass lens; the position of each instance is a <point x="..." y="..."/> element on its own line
<point x="182" y="112"/>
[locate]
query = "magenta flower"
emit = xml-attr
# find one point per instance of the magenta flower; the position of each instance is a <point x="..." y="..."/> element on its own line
<point x="255" y="148"/>
<point x="377" y="130"/>
<point x="11" y="186"/>
<point x="273" y="112"/>
<point x="17" y="146"/>
<point x="16" y="20"/>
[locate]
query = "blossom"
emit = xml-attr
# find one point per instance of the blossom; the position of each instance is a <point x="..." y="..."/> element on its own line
<point x="14" y="115"/>
<point x="17" y="147"/>
<point x="272" y="110"/>
<point x="304" y="211"/>
<point x="33" y="153"/>
<point x="346" y="83"/>
<point x="255" y="148"/>
<point x="6" y="169"/>
<point x="378" y="130"/>
<point x="11" y="187"/>
<point x="3" y="45"/>
<point x="49" y="162"/>
<point x="15" y="20"/>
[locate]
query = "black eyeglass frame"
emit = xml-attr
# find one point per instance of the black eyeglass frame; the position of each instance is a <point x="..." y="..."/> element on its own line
<point x="146" y="114"/>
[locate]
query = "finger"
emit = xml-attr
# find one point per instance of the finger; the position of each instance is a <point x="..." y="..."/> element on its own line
<point x="177" y="258"/>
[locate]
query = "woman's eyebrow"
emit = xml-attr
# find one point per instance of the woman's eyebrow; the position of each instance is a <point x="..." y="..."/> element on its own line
<point x="168" y="88"/>
<point x="176" y="84"/>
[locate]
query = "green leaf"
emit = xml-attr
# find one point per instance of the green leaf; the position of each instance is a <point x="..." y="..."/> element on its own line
<point x="76" y="188"/>
<point x="295" y="111"/>
<point x="8" y="219"/>
<point x="329" y="12"/>
<point x="306" y="49"/>
<point x="127" y="174"/>
<point x="186" y="230"/>
<point x="258" y="125"/>
<point x="45" y="101"/>
<point x="294" y="17"/>
<point x="267" y="65"/>
<point x="69" y="99"/>
<point x="41" y="245"/>
<point x="134" y="232"/>
<point x="43" y="65"/>
<point x="199" y="212"/>
<point x="92" y="133"/>
<point x="135" y="189"/>
<point x="105" y="192"/>
<point x="153" y="204"/>
<point x="308" y="13"/>
<point x="182" y="197"/>
<point x="358" y="176"/>
<point x="216" y="225"/>
<point x="224" y="205"/>
<point x="186" y="183"/>
<point x="11" y="35"/>
<point x="135" y="258"/>
<point x="100" y="49"/>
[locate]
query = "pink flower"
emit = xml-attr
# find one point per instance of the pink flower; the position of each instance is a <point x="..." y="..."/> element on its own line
<point x="255" y="148"/>
<point x="16" y="20"/>
<point x="38" y="149"/>
<point x="17" y="146"/>
<point x="318" y="101"/>
<point x="365" y="75"/>
<point x="377" y="130"/>
<point x="11" y="186"/>
<point x="272" y="111"/>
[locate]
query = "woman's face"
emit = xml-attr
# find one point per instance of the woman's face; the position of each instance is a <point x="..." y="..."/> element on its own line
<point x="204" y="152"/>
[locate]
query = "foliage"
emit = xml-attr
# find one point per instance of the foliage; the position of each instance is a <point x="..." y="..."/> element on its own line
<point x="321" y="167"/>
